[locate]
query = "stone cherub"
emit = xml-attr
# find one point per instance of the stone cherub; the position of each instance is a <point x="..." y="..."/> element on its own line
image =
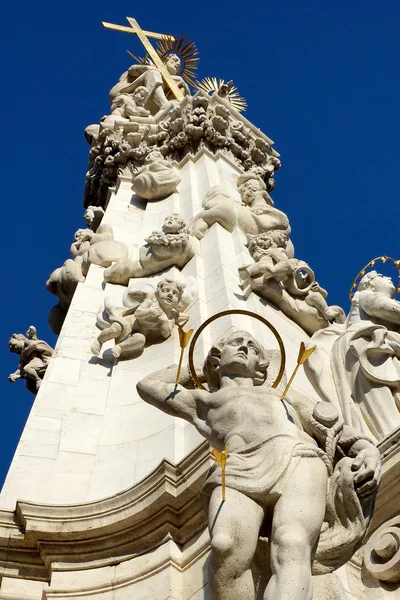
<point x="256" y="213"/>
<point x="288" y="282"/>
<point x="156" y="179"/>
<point x="173" y="246"/>
<point x="149" y="77"/>
<point x="90" y="246"/>
<point x="34" y="357"/>
<point x="147" y="316"/>
<point x="358" y="364"/>
<point x="283" y="458"/>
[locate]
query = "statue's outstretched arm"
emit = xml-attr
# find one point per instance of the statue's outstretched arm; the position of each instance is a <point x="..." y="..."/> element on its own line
<point x="160" y="390"/>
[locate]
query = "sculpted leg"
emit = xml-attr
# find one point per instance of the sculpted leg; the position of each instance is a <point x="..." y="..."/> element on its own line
<point x="234" y="527"/>
<point x="110" y="333"/>
<point x="296" y="526"/>
<point x="130" y="347"/>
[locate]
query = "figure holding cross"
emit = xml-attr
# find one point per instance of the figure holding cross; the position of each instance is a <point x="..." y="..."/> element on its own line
<point x="161" y="78"/>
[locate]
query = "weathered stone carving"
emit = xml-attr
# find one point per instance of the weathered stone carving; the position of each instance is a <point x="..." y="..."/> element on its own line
<point x="382" y="552"/>
<point x="96" y="247"/>
<point x="283" y="457"/>
<point x="147" y="316"/>
<point x="156" y="179"/>
<point x="147" y="76"/>
<point x="288" y="282"/>
<point x="255" y="214"/>
<point x="173" y="246"/>
<point x="93" y="216"/>
<point x="120" y="142"/>
<point x="62" y="283"/>
<point x="358" y="365"/>
<point x="126" y="106"/>
<point x="34" y="357"/>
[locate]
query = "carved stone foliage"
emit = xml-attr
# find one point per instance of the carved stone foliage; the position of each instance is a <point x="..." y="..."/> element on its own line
<point x="173" y="246"/>
<point x="295" y="463"/>
<point x="357" y="365"/>
<point x="288" y="282"/>
<point x="382" y="552"/>
<point x="34" y="357"/>
<point x="147" y="315"/>
<point x="179" y="129"/>
<point x="90" y="246"/>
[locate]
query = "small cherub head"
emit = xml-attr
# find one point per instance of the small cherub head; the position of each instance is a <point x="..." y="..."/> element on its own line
<point x="93" y="216"/>
<point x="169" y="294"/>
<point x="378" y="283"/>
<point x="240" y="355"/>
<point x="153" y="156"/>
<point x="174" y="224"/>
<point x="81" y="235"/>
<point x="279" y="238"/>
<point x="17" y="342"/>
<point x="141" y="95"/>
<point x="259" y="245"/>
<point x="249" y="186"/>
<point x="173" y="63"/>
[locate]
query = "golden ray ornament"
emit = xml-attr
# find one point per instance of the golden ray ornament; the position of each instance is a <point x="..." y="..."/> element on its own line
<point x="370" y="265"/>
<point x="224" y="89"/>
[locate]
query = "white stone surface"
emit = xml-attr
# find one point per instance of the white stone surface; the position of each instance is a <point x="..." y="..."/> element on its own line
<point x="99" y="412"/>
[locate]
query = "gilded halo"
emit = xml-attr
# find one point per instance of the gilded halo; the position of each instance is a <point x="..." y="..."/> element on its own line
<point x="212" y="84"/>
<point x="184" y="48"/>
<point x="370" y="265"/>
<point x="237" y="311"/>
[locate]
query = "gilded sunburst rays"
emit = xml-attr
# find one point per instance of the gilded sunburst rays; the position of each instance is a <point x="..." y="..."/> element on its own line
<point x="231" y="93"/>
<point x="184" y="48"/>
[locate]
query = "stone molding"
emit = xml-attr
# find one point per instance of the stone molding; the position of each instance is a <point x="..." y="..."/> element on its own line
<point x="165" y="506"/>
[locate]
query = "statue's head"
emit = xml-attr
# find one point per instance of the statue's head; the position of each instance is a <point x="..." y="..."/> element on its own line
<point x="279" y="238"/>
<point x="173" y="63"/>
<point x="141" y="95"/>
<point x="378" y="283"/>
<point x="249" y="186"/>
<point x="238" y="355"/>
<point x="17" y="342"/>
<point x="93" y="216"/>
<point x="169" y="294"/>
<point x="80" y="235"/>
<point x="174" y="224"/>
<point x="153" y="156"/>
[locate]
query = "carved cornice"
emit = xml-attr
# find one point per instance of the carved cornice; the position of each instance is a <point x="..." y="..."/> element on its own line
<point x="198" y="122"/>
<point x="164" y="506"/>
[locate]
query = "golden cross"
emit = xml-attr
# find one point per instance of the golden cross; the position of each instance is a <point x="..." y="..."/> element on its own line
<point x="143" y="35"/>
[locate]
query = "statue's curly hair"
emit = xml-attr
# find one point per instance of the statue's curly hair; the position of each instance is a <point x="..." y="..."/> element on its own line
<point x="211" y="364"/>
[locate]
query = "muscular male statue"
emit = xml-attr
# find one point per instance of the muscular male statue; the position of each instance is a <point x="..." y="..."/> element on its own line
<point x="277" y="472"/>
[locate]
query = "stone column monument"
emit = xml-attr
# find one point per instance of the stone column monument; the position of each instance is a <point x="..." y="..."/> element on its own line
<point x="157" y="464"/>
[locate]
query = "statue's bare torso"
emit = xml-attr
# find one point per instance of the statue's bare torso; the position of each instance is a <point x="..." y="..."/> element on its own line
<point x="244" y="415"/>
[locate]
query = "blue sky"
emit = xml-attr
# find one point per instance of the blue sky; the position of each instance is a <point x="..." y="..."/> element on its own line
<point x="321" y="79"/>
